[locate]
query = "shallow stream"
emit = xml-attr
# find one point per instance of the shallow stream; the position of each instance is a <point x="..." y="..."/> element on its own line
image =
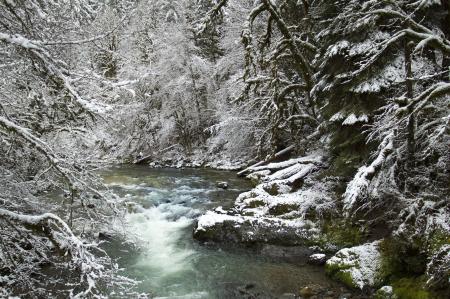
<point x="170" y="264"/>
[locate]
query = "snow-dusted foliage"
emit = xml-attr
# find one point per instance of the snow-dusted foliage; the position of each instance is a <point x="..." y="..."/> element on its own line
<point x="374" y="77"/>
<point x="343" y="106"/>
<point x="43" y="102"/>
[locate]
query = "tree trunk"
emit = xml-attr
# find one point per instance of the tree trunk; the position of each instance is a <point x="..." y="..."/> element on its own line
<point x="446" y="29"/>
<point x="410" y="95"/>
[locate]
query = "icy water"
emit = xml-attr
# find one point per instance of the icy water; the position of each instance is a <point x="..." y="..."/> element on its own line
<point x="170" y="264"/>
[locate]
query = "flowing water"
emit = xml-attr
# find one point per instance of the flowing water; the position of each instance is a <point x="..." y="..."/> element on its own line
<point x="170" y="264"/>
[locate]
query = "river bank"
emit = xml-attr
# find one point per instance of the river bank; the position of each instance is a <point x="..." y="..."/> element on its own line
<point x="296" y="203"/>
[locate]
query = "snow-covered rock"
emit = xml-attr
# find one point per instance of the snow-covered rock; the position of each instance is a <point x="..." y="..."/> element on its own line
<point x="317" y="259"/>
<point x="281" y="210"/>
<point x="358" y="267"/>
<point x="222" y="185"/>
<point x="219" y="227"/>
<point x="438" y="269"/>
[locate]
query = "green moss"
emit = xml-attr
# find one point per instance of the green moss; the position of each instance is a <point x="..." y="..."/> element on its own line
<point x="281" y="209"/>
<point x="401" y="259"/>
<point x="255" y="203"/>
<point x="337" y="271"/>
<point x="411" y="288"/>
<point x="342" y="234"/>
<point x="382" y="294"/>
<point x="128" y="160"/>
<point x="438" y="239"/>
<point x="255" y="181"/>
<point x="272" y="189"/>
<point x="332" y="269"/>
<point x="388" y="260"/>
<point x="346" y="278"/>
<point x="403" y="262"/>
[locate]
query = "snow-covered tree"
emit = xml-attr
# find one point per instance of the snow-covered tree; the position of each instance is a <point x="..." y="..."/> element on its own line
<point x="40" y="99"/>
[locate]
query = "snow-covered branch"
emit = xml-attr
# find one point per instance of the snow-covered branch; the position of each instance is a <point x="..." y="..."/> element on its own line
<point x="51" y="65"/>
<point x="41" y="146"/>
<point x="357" y="188"/>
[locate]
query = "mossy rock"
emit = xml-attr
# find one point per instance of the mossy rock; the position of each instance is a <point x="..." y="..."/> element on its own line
<point x="404" y="265"/>
<point x="402" y="259"/>
<point x="337" y="271"/>
<point x="342" y="234"/>
<point x="281" y="209"/>
<point x="253" y="231"/>
<point x="272" y="189"/>
<point x="438" y="239"/>
<point x="412" y="288"/>
<point x="256" y="203"/>
<point x="357" y="267"/>
<point x="256" y="178"/>
<point x="386" y="292"/>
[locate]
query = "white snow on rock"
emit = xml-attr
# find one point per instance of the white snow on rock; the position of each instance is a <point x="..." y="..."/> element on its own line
<point x="317" y="259"/>
<point x="353" y="119"/>
<point x="362" y="263"/>
<point x="275" y="205"/>
<point x="212" y="218"/>
<point x="260" y="202"/>
<point x="317" y="256"/>
<point x="258" y="175"/>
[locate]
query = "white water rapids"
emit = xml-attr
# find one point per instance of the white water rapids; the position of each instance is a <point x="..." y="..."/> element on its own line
<point x="169" y="263"/>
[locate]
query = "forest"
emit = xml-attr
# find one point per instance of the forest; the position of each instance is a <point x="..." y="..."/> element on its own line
<point x="225" y="149"/>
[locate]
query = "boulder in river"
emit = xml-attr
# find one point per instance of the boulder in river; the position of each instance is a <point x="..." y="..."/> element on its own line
<point x="105" y="236"/>
<point x="317" y="259"/>
<point x="222" y="185"/>
<point x="254" y="230"/>
<point x="306" y="292"/>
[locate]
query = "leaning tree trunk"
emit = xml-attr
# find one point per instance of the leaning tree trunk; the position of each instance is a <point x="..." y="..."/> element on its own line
<point x="411" y="143"/>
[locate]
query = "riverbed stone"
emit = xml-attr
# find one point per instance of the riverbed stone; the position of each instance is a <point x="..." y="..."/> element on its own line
<point x="222" y="185"/>
<point x="317" y="259"/>
<point x="288" y="296"/>
<point x="306" y="292"/>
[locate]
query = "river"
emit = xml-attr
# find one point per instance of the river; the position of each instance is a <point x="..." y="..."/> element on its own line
<point x="171" y="264"/>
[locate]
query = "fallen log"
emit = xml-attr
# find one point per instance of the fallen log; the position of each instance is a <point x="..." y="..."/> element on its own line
<point x="143" y="159"/>
<point x="270" y="159"/>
